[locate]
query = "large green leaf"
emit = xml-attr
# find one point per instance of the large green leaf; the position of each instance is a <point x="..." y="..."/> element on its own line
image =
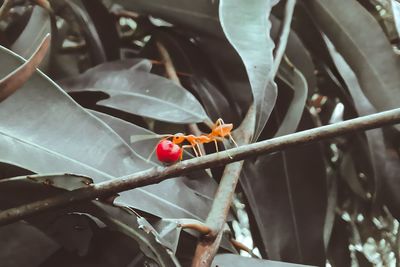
<point x="139" y="92"/>
<point x="246" y="25"/>
<point x="363" y="45"/>
<point x="43" y="130"/>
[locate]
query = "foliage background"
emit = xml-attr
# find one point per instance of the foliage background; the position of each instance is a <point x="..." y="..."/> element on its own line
<point x="119" y="73"/>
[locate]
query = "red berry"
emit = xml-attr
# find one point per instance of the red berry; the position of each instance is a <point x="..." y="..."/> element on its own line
<point x="168" y="152"/>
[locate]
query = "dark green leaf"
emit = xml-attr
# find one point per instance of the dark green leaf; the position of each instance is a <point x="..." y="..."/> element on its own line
<point x="385" y="166"/>
<point x="287" y="195"/>
<point x="23" y="245"/>
<point x="364" y="46"/>
<point x="295" y="79"/>
<point x="199" y="15"/>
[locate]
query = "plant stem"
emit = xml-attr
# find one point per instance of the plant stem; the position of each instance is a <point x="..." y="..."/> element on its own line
<point x="207" y="247"/>
<point x="158" y="174"/>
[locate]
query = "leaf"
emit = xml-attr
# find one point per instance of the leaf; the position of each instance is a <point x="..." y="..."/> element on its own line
<point x="251" y="40"/>
<point x="139" y="92"/>
<point x="14" y="80"/>
<point x="364" y="46"/>
<point x="287" y="195"/>
<point x="128" y="223"/>
<point x="194" y="70"/>
<point x="201" y="16"/>
<point x="341" y="236"/>
<point x="38" y="27"/>
<point x="143" y="145"/>
<point x="92" y="38"/>
<point x="197" y="186"/>
<point x="385" y="166"/>
<point x="297" y="52"/>
<point x="22" y="245"/>
<point x="49" y="127"/>
<point x="295" y="79"/>
<point x="225" y="260"/>
<point x="73" y="227"/>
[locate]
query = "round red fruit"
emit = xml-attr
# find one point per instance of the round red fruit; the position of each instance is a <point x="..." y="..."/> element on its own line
<point x="168" y="152"/>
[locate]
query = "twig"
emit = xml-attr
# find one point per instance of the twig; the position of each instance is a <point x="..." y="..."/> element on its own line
<point x="169" y="66"/>
<point x="13" y="81"/>
<point x="284" y="36"/>
<point x="158" y="174"/>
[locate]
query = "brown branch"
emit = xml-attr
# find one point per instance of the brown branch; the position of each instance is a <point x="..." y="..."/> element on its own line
<point x="158" y="174"/>
<point x="169" y="66"/>
<point x="13" y="81"/>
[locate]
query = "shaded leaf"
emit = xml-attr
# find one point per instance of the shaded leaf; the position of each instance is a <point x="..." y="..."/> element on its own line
<point x="22" y="245"/>
<point x="297" y="52"/>
<point x="139" y="92"/>
<point x="73" y="227"/>
<point x="39" y="25"/>
<point x="92" y="38"/>
<point x="287" y="195"/>
<point x="194" y="70"/>
<point x="105" y="28"/>
<point x="337" y="256"/>
<point x="13" y="81"/>
<point x="385" y="166"/>
<point x="364" y="46"/>
<point x="254" y="28"/>
<point x="225" y="260"/>
<point x="295" y="79"/>
<point x="73" y="232"/>
<point x="201" y="16"/>
<point x="129" y="224"/>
